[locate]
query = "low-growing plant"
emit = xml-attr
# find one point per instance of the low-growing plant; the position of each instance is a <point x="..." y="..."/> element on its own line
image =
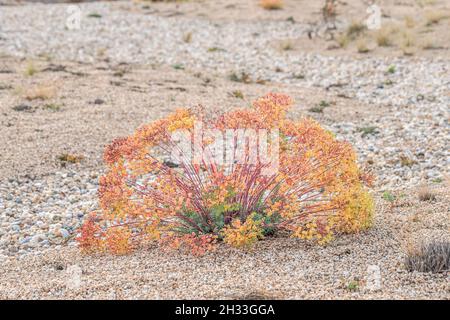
<point x="388" y="196"/>
<point x="435" y="16"/>
<point x="355" y="29"/>
<point x="362" y="47"/>
<point x="315" y="192"/>
<point x="30" y="69"/>
<point x="426" y="194"/>
<point x="431" y="257"/>
<point x="391" y="69"/>
<point x="65" y="158"/>
<point x="52" y="107"/>
<point x="187" y="37"/>
<point x="370" y="130"/>
<point x="237" y="94"/>
<point x="242" y="77"/>
<point x="383" y="37"/>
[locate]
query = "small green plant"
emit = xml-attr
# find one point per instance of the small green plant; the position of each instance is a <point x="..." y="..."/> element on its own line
<point x="388" y="196"/>
<point x="52" y="107"/>
<point x="437" y="180"/>
<point x="370" y="130"/>
<point x="237" y="94"/>
<point x="243" y="77"/>
<point x="391" y="69"/>
<point x="353" y="286"/>
<point x="94" y="15"/>
<point x="178" y="66"/>
<point x="343" y="40"/>
<point x="30" y="69"/>
<point x="320" y="107"/>
<point x="215" y="49"/>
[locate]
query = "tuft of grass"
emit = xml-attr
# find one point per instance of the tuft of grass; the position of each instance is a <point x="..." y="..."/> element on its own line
<point x="370" y="130"/>
<point x="320" y="107"/>
<point x="287" y="46"/>
<point x="406" y="161"/>
<point x="187" y="38"/>
<point x="215" y="49"/>
<point x="355" y="29"/>
<point x="435" y="16"/>
<point x="426" y="194"/>
<point x="299" y="76"/>
<point x="94" y="15"/>
<point x="388" y="196"/>
<point x="178" y="66"/>
<point x="66" y="158"/>
<point x="343" y="40"/>
<point x="237" y="94"/>
<point x="23" y="108"/>
<point x="353" y="286"/>
<point x="243" y="77"/>
<point x="409" y="22"/>
<point x="391" y="69"/>
<point x="362" y="47"/>
<point x="52" y="107"/>
<point x="431" y="257"/>
<point x="383" y="37"/>
<point x="429" y="44"/>
<point x="30" y="70"/>
<point x="409" y="40"/>
<point x="271" y="4"/>
<point x="40" y="92"/>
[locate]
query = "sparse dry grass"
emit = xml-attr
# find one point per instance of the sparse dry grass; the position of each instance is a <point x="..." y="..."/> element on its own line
<point x="187" y="38"/>
<point x="362" y="46"/>
<point x="343" y="40"/>
<point x="435" y="16"/>
<point x="355" y="29"/>
<point x="30" y="68"/>
<point x="287" y="45"/>
<point x="431" y="257"/>
<point x="40" y="92"/>
<point x="271" y="4"/>
<point x="426" y="194"/>
<point x="383" y="37"/>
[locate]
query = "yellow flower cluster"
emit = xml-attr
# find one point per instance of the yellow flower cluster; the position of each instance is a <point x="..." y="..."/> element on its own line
<point x="240" y="235"/>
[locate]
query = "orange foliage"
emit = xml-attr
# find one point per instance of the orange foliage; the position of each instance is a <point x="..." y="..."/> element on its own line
<point x="317" y="191"/>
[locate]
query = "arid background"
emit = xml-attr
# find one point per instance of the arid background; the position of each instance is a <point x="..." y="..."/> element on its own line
<point x="65" y="94"/>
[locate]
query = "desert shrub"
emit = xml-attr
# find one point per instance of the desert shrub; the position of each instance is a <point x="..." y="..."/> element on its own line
<point x="315" y="192"/>
<point x="431" y="257"/>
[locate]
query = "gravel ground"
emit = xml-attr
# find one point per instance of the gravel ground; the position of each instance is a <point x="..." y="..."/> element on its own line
<point x="276" y="268"/>
<point x="107" y="83"/>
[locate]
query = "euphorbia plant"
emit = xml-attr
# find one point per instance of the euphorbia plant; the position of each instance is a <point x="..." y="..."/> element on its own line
<point x="197" y="200"/>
